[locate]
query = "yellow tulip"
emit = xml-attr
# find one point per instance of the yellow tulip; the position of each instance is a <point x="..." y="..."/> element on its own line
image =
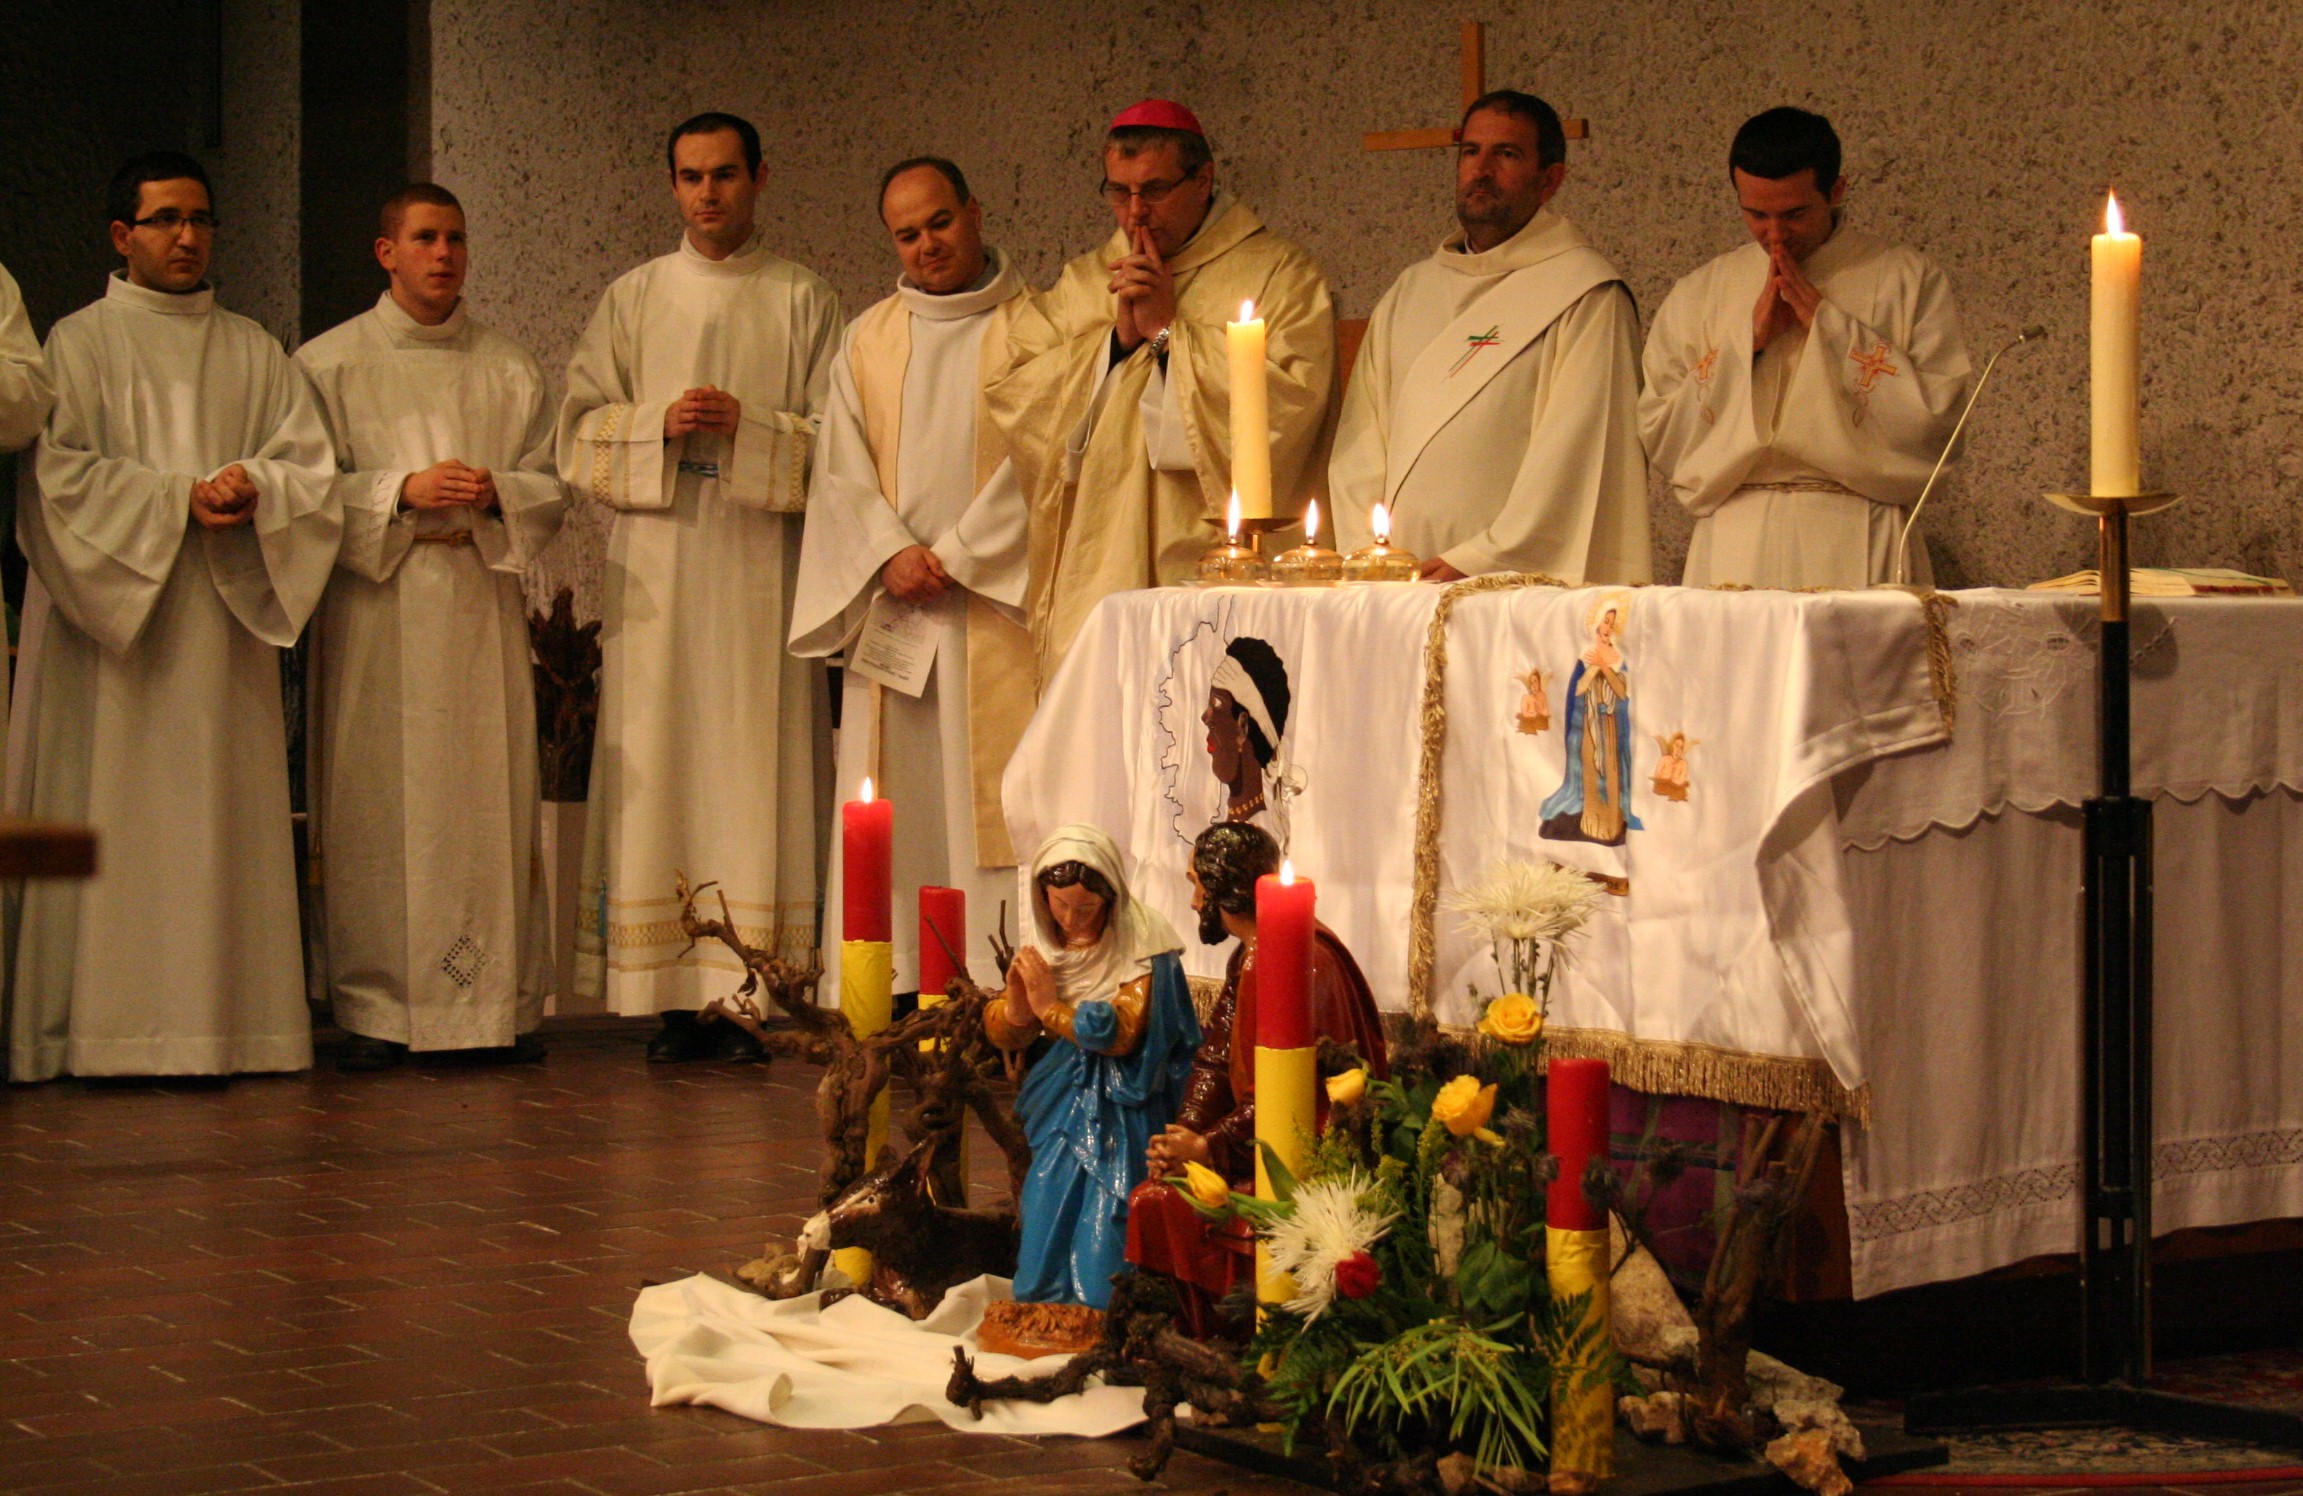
<point x="1463" y="1106"/>
<point x="1512" y="1019"/>
<point x="1207" y="1186"/>
<point x="1344" y="1089"/>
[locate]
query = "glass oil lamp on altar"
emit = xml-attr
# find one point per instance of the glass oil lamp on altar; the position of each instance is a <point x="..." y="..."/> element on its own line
<point x="1237" y="560"/>
<point x="1382" y="561"/>
<point x="1310" y="564"/>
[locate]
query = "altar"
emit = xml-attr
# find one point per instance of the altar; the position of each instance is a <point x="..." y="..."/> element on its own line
<point x="1838" y="832"/>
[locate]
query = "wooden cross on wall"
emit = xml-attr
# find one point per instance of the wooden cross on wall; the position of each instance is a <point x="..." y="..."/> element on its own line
<point x="1474" y="84"/>
<point x="1350" y="330"/>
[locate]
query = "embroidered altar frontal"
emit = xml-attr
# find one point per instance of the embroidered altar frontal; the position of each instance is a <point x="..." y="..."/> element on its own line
<point x="1836" y="830"/>
<point x="1675" y="746"/>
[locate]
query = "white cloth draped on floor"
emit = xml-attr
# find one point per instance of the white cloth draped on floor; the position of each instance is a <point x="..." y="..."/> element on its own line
<point x="852" y="1365"/>
<point x="1850" y="908"/>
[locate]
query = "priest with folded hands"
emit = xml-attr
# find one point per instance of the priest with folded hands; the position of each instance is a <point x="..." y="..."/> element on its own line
<point x="180" y="523"/>
<point x="1117" y="393"/>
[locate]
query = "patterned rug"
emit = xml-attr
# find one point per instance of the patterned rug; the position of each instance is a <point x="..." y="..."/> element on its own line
<point x="2124" y="1456"/>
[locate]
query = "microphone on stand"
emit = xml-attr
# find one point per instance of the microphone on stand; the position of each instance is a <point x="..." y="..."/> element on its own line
<point x="2031" y="334"/>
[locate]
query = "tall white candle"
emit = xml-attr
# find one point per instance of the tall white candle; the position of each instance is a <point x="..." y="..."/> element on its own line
<point x="2116" y="465"/>
<point x="1250" y="415"/>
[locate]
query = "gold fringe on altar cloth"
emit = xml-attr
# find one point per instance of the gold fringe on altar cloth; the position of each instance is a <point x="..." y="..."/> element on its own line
<point x="1658" y="1067"/>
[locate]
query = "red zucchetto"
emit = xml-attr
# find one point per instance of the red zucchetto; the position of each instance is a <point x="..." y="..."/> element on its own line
<point x="1159" y="114"/>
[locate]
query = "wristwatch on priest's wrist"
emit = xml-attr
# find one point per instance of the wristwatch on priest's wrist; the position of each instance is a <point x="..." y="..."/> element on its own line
<point x="1159" y="341"/>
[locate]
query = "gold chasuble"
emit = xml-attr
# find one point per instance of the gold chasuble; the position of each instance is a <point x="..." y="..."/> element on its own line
<point x="1002" y="686"/>
<point x="1105" y="517"/>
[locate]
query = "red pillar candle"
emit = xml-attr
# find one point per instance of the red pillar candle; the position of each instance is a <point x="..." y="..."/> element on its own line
<point x="1283" y="927"/>
<point x="943" y="923"/>
<point x="868" y="829"/>
<point x="1576" y="1108"/>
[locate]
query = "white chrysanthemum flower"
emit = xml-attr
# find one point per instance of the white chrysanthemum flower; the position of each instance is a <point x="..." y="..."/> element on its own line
<point x="1526" y="901"/>
<point x="1325" y="1225"/>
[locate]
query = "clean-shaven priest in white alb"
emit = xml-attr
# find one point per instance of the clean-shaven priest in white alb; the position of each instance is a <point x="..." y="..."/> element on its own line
<point x="1494" y="406"/>
<point x="424" y="716"/>
<point x="1799" y="389"/>
<point x="180" y="524"/>
<point x="915" y="501"/>
<point x="691" y="410"/>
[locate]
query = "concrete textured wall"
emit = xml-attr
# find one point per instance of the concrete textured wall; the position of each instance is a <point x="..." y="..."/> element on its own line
<point x="1983" y="133"/>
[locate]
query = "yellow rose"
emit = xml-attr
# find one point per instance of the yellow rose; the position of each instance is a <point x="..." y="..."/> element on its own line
<point x="1463" y="1106"/>
<point x="1207" y="1186"/>
<point x="1512" y="1019"/>
<point x="1344" y="1089"/>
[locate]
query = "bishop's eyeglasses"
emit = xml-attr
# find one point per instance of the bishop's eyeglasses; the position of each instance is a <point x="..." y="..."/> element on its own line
<point x="170" y="222"/>
<point x="1152" y="193"/>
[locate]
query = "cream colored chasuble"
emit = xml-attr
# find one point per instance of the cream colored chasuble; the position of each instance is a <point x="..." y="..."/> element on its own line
<point x="910" y="456"/>
<point x="1799" y="464"/>
<point x="1494" y="408"/>
<point x="148" y="694"/>
<point x="423" y="771"/>
<point x="713" y="752"/>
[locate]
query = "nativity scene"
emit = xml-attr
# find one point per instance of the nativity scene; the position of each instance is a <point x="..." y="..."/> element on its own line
<point x="1646" y="967"/>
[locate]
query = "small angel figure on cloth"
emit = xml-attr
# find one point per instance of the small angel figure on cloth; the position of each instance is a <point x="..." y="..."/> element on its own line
<point x="1671" y="769"/>
<point x="1534" y="705"/>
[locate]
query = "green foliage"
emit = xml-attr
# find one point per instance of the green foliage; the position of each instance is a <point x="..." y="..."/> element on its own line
<point x="1578" y="1349"/>
<point x="1493" y="1285"/>
<point x="1447" y="1383"/>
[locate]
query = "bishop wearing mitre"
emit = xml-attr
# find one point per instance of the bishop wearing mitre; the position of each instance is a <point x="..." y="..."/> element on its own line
<point x="1117" y="394"/>
<point x="915" y="509"/>
<point x="180" y="524"/>
<point x="1801" y="388"/>
<point x="691" y="412"/>
<point x="423" y="773"/>
<point x="1493" y="409"/>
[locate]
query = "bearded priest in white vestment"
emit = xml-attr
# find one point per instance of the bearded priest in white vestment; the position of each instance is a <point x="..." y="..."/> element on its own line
<point x="1801" y="388"/>
<point x="423" y="776"/>
<point x="1117" y="395"/>
<point x="180" y="525"/>
<point x="692" y="405"/>
<point x="1494" y="405"/>
<point x="915" y="499"/>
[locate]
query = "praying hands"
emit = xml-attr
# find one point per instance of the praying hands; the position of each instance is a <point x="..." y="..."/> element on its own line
<point x="1789" y="298"/>
<point x="1146" y="291"/>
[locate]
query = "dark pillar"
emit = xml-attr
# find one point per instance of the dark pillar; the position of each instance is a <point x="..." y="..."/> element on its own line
<point x="363" y="125"/>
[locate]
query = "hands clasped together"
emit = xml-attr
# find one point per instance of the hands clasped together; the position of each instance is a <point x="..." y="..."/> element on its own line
<point x="449" y="485"/>
<point x="1788" y="300"/>
<point x="1146" y="291"/>
<point x="703" y="409"/>
<point x="226" y="500"/>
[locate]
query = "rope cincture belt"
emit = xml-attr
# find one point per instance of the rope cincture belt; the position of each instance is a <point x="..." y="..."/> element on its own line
<point x="443" y="537"/>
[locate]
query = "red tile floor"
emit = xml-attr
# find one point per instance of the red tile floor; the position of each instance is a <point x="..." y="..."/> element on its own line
<point x="418" y="1282"/>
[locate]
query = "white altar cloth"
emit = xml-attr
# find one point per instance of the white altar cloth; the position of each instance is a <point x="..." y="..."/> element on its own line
<point x="1848" y="887"/>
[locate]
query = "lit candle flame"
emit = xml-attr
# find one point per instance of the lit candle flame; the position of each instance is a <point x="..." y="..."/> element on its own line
<point x="1382" y="525"/>
<point x="1311" y="523"/>
<point x="867" y="792"/>
<point x="1247" y="311"/>
<point x="2114" y="223"/>
<point x="1287" y="873"/>
<point x="1231" y="518"/>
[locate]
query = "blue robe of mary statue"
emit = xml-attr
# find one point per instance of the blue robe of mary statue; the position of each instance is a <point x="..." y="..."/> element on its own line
<point x="1089" y="1116"/>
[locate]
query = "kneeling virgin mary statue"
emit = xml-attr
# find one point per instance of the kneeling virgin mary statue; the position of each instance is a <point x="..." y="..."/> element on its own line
<point x="1101" y="978"/>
